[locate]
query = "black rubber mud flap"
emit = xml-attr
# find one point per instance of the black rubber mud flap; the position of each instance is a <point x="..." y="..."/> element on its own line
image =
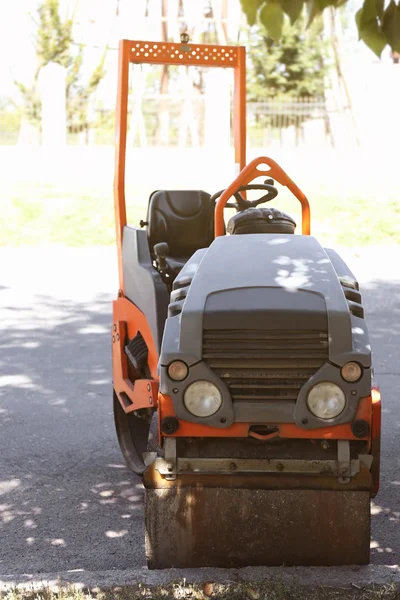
<point x="133" y="435"/>
<point x="219" y="527"/>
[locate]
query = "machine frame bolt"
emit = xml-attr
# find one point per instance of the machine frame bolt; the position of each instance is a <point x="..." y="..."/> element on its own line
<point x="233" y="466"/>
<point x="279" y="467"/>
<point x="360" y="428"/>
<point x="169" y="425"/>
<point x="148" y="387"/>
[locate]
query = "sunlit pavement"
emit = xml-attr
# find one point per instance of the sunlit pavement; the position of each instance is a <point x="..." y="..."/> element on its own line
<point x="67" y="502"/>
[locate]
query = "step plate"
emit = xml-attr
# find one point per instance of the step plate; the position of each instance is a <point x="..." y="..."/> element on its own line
<point x="220" y="527"/>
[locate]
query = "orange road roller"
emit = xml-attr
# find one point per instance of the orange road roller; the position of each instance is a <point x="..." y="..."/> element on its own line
<point x="243" y="391"/>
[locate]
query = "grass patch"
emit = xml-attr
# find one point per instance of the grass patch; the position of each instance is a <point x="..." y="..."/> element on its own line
<point x="77" y="214"/>
<point x="271" y="590"/>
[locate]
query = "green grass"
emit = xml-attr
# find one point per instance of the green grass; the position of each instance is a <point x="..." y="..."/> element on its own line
<point x="76" y="215"/>
<point x="46" y="214"/>
<point x="271" y="590"/>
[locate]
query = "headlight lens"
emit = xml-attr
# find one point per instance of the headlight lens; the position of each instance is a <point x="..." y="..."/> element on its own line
<point x="351" y="372"/>
<point x="178" y="370"/>
<point x="202" y="398"/>
<point x="326" y="400"/>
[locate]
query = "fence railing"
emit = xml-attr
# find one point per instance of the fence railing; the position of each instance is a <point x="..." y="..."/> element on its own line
<point x="286" y="120"/>
<point x="284" y="112"/>
<point x="161" y="120"/>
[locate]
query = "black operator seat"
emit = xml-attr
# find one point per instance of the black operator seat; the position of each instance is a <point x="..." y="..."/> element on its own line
<point x="182" y="219"/>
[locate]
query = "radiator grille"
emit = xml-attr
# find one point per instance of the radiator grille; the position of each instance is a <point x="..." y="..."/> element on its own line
<point x="261" y="365"/>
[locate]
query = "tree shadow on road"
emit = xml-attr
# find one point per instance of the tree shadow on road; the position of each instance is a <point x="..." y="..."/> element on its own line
<point x="67" y="501"/>
<point x="382" y="312"/>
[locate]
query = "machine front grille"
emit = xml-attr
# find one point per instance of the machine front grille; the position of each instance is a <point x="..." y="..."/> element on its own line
<point x="264" y="365"/>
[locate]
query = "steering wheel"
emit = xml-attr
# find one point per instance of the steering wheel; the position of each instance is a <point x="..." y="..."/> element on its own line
<point x="242" y="204"/>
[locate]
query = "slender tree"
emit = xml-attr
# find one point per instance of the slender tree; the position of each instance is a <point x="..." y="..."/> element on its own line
<point x="54" y="42"/>
<point x="163" y="117"/>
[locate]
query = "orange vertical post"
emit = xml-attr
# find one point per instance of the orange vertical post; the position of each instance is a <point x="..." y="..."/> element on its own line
<point x="120" y="155"/>
<point x="239" y="110"/>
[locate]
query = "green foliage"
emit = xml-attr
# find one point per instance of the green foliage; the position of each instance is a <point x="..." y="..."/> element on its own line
<point x="378" y="27"/>
<point x="293" y="67"/>
<point x="272" y="17"/>
<point x="370" y="32"/>
<point x="31" y="102"/>
<point x="54" y="37"/>
<point x="250" y="7"/>
<point x="78" y="95"/>
<point x="391" y="25"/>
<point x="292" y="8"/>
<point x="54" y="43"/>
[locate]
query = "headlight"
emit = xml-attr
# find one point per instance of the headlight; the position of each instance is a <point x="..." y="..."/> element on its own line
<point x="351" y="372"/>
<point x="326" y="400"/>
<point x="202" y="398"/>
<point x="178" y="370"/>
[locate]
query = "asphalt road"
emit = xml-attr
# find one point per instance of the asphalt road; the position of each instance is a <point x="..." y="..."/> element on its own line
<point x="66" y="499"/>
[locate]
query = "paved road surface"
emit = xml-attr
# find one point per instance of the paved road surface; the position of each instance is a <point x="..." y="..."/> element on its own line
<point x="66" y="499"/>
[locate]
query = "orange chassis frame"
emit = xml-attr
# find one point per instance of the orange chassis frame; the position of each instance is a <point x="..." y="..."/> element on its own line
<point x="127" y="318"/>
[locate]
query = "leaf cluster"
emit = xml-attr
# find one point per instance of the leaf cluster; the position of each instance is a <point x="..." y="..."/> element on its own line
<point x="293" y="67"/>
<point x="378" y="25"/>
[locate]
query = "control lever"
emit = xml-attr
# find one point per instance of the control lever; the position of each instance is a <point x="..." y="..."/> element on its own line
<point x="161" y="251"/>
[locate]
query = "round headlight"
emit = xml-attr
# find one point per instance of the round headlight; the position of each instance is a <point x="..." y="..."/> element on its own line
<point x="351" y="372"/>
<point x="202" y="398"/>
<point x="178" y="370"/>
<point x="326" y="400"/>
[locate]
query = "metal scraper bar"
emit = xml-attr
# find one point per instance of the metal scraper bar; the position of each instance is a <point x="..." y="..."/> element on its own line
<point x="209" y="466"/>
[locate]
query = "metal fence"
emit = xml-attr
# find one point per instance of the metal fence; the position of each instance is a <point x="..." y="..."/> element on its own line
<point x="279" y="120"/>
<point x="285" y="120"/>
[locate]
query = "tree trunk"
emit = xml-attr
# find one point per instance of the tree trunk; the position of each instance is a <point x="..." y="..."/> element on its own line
<point x="163" y="122"/>
<point x="221" y="30"/>
<point x="341" y="79"/>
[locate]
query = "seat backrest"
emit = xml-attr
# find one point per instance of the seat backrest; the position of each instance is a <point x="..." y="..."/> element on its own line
<point x="184" y="219"/>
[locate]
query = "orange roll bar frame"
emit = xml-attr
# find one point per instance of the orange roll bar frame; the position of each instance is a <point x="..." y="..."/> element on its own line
<point x="167" y="53"/>
<point x="250" y="172"/>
